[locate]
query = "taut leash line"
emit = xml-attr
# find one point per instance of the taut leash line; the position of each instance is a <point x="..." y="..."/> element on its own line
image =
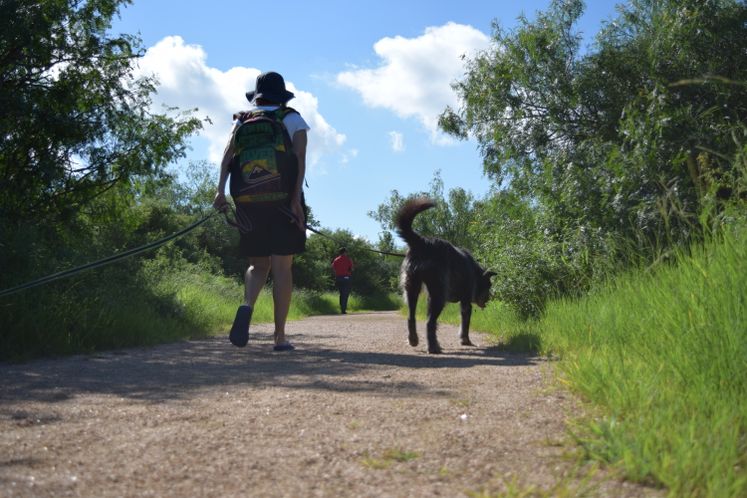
<point x="385" y="253"/>
<point x="293" y="217"/>
<point x="102" y="262"/>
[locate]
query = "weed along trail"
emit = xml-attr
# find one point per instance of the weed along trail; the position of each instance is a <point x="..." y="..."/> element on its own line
<point x="353" y="411"/>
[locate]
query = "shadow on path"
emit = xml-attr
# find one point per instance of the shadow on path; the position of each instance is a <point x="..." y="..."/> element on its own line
<point x="173" y="371"/>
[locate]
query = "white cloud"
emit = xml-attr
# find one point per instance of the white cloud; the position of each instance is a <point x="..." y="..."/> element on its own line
<point x="348" y="156"/>
<point x="187" y="81"/>
<point x="415" y="76"/>
<point x="397" y="141"/>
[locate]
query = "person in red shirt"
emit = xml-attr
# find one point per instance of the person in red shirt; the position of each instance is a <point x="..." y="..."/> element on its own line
<point x="343" y="268"/>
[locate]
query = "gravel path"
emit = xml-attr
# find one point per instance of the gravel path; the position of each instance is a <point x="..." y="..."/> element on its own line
<point x="354" y="411"/>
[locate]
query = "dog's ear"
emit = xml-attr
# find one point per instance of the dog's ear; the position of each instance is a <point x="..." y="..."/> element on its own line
<point x="490" y="273"/>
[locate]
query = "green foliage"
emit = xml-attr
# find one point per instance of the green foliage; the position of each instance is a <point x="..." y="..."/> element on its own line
<point x="663" y="356"/>
<point x="123" y="304"/>
<point x="617" y="154"/>
<point x="159" y="298"/>
<point x="116" y="306"/>
<point x="74" y="122"/>
<point x="79" y="150"/>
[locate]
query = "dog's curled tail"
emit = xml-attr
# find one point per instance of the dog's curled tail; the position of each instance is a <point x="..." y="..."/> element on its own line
<point x="406" y="214"/>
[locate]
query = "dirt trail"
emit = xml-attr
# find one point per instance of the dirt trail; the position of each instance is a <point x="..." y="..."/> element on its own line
<point x="354" y="411"/>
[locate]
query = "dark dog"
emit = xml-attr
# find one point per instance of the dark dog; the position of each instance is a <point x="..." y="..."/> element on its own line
<point x="448" y="272"/>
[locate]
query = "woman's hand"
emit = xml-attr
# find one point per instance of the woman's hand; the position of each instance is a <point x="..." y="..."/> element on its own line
<point x="220" y="203"/>
<point x="297" y="210"/>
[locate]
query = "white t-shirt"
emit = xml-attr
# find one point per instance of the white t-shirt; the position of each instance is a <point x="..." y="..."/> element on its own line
<point x="293" y="121"/>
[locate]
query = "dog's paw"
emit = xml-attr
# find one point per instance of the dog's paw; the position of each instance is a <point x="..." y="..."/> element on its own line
<point x="466" y="342"/>
<point x="413" y="339"/>
<point x="434" y="349"/>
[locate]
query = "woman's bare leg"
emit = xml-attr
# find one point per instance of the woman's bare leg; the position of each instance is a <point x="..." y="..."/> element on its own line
<point x="282" y="289"/>
<point x="255" y="278"/>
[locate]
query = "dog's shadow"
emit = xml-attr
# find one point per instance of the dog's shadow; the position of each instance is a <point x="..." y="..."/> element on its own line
<point x="417" y="359"/>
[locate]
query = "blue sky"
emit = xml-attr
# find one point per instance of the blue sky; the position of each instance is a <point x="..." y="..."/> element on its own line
<point x="370" y="77"/>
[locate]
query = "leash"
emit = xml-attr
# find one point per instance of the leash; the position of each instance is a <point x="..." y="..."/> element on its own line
<point x="102" y="262"/>
<point x="294" y="218"/>
<point x="385" y="253"/>
<point x="243" y="224"/>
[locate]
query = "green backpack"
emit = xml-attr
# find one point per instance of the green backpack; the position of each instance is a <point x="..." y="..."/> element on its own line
<point x="264" y="168"/>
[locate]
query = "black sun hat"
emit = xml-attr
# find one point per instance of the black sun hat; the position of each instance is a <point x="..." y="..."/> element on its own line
<point x="270" y="86"/>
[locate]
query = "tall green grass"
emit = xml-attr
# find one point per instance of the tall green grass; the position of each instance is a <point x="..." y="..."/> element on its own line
<point x="661" y="359"/>
<point x="664" y="355"/>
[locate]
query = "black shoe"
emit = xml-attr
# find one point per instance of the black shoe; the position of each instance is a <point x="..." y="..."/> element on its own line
<point x="239" y="335"/>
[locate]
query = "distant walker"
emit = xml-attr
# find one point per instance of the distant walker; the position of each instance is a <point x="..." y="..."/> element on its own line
<point x="343" y="268"/>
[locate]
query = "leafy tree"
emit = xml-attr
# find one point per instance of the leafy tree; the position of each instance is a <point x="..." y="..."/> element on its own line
<point x="80" y="153"/>
<point x="623" y="146"/>
<point x="535" y="76"/>
<point x="75" y="122"/>
<point x="559" y="127"/>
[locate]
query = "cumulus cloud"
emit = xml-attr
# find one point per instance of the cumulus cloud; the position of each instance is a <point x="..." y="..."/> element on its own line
<point x="415" y="75"/>
<point x="187" y="81"/>
<point x="397" y="141"/>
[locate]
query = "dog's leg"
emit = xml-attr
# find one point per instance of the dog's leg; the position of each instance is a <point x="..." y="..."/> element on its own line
<point x="412" y="291"/>
<point x="436" y="303"/>
<point x="466" y="315"/>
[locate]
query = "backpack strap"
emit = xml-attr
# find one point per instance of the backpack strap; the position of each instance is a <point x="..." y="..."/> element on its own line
<point x="282" y="112"/>
<point x="241" y="116"/>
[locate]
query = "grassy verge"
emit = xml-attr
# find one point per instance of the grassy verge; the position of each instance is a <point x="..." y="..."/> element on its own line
<point x="662" y="360"/>
<point x="154" y="302"/>
<point x="665" y="357"/>
<point x="210" y="303"/>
